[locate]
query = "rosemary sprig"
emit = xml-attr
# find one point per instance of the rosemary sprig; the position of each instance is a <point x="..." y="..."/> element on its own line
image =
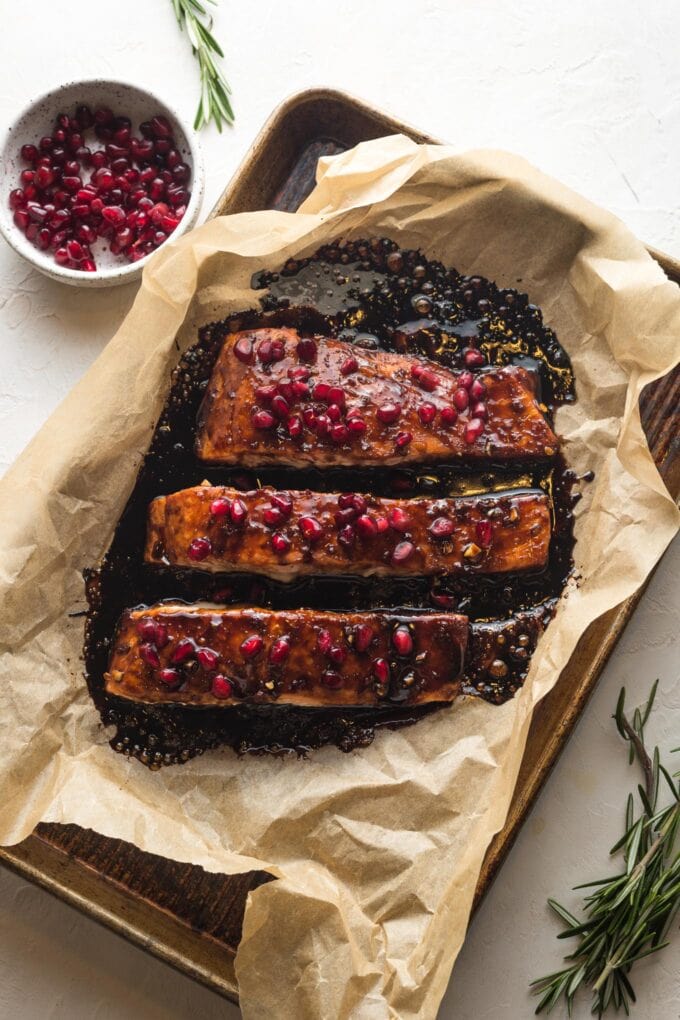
<point x="214" y="103"/>
<point x="628" y="915"/>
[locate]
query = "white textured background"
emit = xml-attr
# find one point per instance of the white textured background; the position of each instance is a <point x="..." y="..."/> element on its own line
<point x="590" y="92"/>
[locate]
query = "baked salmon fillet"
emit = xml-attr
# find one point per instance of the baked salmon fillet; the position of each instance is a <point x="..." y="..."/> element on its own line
<point x="202" y="656"/>
<point x="285" y="534"/>
<point x="276" y="396"/>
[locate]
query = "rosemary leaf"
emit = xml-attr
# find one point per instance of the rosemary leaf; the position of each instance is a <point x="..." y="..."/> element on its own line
<point x="213" y="105"/>
<point x="628" y="915"/>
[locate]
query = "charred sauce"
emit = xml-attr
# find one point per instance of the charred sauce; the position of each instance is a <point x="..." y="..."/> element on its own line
<point x="377" y="296"/>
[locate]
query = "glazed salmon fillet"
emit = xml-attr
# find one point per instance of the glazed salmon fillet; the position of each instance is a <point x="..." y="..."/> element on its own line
<point x="285" y="534"/>
<point x="277" y="396"/>
<point x="212" y="656"/>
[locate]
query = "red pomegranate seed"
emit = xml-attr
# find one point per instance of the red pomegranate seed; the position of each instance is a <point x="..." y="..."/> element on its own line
<point x="337" y="654"/>
<point x="280" y="650"/>
<point x="402" y="552"/>
<point x="382" y="524"/>
<point x="477" y="390"/>
<point x="442" y="600"/>
<point x="221" y="687"/>
<point x="280" y="543"/>
<point x="114" y="215"/>
<point x="84" y="117"/>
<point x="310" y="528"/>
<point x="442" y="527"/>
<point x="306" y="349"/>
<point x="356" y="426"/>
<point x="388" y="413"/>
<point x="366" y="526"/>
<point x="363" y="637"/>
<point x="199" y="549"/>
<point x="88" y="266"/>
<point x="252" y="646"/>
<point x="16" y="198"/>
<point x="345" y="516"/>
<point x="294" y="425"/>
<point x="29" y="153"/>
<point x="339" y="433"/>
<point x="299" y="372"/>
<point x="299" y="389"/>
<point x="426" y="413"/>
<point x="324" y="641"/>
<point x="184" y="649"/>
<point x="334" y="412"/>
<point x="44" y="177"/>
<point x="331" y="679"/>
<point x="103" y="179"/>
<point x="238" y="512"/>
<point x="147" y="629"/>
<point x="484" y="532"/>
<point x="169" y="676"/>
<point x="449" y="416"/>
<point x="220" y="507"/>
<point x="243" y="349"/>
<point x="381" y="670"/>
<point x="321" y="392"/>
<point x="427" y="380"/>
<point x="465" y="379"/>
<point x="336" y="395"/>
<point x="345" y="500"/>
<point x="473" y="358"/>
<point x="272" y="516"/>
<point x="346" y="536"/>
<point x="103" y="116"/>
<point x="399" y="520"/>
<point x="322" y="424"/>
<point x="280" y="406"/>
<point x="263" y="420"/>
<point x="479" y="411"/>
<point x="75" y="250"/>
<point x="61" y="256"/>
<point x="402" y="640"/>
<point x="283" y="501"/>
<point x="161" y="127"/>
<point x="403" y="439"/>
<point x="473" y="430"/>
<point x="21" y="218"/>
<point x="461" y="399"/>
<point x="150" y="655"/>
<point x="358" y="502"/>
<point x="208" y="659"/>
<point x="348" y="366"/>
<point x="309" y="418"/>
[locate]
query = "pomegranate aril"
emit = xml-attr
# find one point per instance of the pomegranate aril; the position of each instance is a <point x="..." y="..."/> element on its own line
<point x="114" y="215"/>
<point x="477" y="390"/>
<point x="484" y="532"/>
<point x="103" y="179"/>
<point x="306" y="349"/>
<point x="272" y="516"/>
<point x="238" y="512"/>
<point x="442" y="527"/>
<point x="349" y="366"/>
<point x="16" y="199"/>
<point x="44" y="177"/>
<point x="345" y="516"/>
<point x="149" y="654"/>
<point x="99" y="159"/>
<point x="280" y="650"/>
<point x="169" y="223"/>
<point x="283" y="502"/>
<point x="465" y="379"/>
<point x="32" y="231"/>
<point x="426" y="413"/>
<point x="61" y="256"/>
<point x="334" y="412"/>
<point x="366" y="526"/>
<point x="363" y="637"/>
<point x="324" y="641"/>
<point x="263" y="419"/>
<point x="347" y="536"/>
<point x="221" y="687"/>
<point x="331" y="679"/>
<point x="461" y="399"/>
<point x="399" y="520"/>
<point x="473" y="430"/>
<point x="84" y="117"/>
<point x="185" y="649"/>
<point x="479" y="410"/>
<point x="449" y="416"/>
<point x="427" y="380"/>
<point x="339" y="433"/>
<point x="160" y="127"/>
<point x="402" y="640"/>
<point x="75" y="250"/>
<point x="243" y="349"/>
<point x="356" y="425"/>
<point x="294" y="425"/>
<point x="321" y="392"/>
<point x="310" y="528"/>
<point x="103" y="116"/>
<point x="388" y="413"/>
<point x="88" y="266"/>
<point x="403" y="439"/>
<point x="280" y="543"/>
<point x="299" y="389"/>
<point x="169" y="676"/>
<point x="473" y="358"/>
<point x="86" y="234"/>
<point x="181" y="173"/>
<point x="46" y="144"/>
<point x="402" y="552"/>
<point x="199" y="549"/>
<point x="220" y="506"/>
<point x="43" y="239"/>
<point x="252" y="646"/>
<point x="27" y="176"/>
<point x="208" y="659"/>
<point x="29" y="153"/>
<point x="381" y="670"/>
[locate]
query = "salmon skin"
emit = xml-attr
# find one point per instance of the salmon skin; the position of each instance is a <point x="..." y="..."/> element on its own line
<point x="286" y="534"/>
<point x="275" y="396"/>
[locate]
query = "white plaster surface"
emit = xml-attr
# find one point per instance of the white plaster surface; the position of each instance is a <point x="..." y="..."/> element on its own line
<point x="589" y="91"/>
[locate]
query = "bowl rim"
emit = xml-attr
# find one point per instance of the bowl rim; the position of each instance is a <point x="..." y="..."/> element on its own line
<point x="126" y="271"/>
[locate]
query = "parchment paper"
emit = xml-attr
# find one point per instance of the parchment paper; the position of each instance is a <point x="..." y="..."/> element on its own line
<point x="377" y="852"/>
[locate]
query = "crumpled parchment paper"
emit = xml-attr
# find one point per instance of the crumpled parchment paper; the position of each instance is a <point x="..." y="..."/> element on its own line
<point x="377" y="852"/>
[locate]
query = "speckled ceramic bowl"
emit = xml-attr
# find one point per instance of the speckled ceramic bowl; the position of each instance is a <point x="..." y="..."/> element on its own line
<point x="38" y="119"/>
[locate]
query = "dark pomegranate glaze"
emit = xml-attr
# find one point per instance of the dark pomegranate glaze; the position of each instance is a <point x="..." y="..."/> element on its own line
<point x="130" y="194"/>
<point x="374" y="295"/>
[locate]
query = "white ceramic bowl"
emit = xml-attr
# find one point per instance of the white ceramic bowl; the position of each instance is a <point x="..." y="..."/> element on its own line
<point x="37" y="120"/>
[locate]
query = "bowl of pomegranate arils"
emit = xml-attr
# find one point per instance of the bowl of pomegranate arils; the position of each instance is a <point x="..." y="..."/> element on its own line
<point x="94" y="177"/>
